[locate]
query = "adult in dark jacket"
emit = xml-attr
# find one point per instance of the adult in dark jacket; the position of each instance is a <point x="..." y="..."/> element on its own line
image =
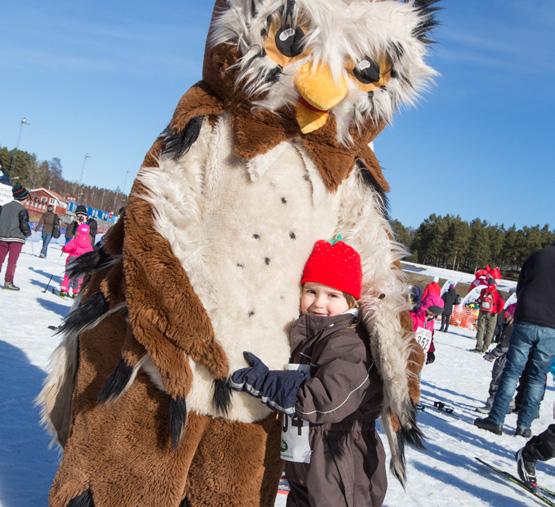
<point x="14" y="229"/>
<point x="50" y="224"/>
<point x="82" y="218"/>
<point x="533" y="337"/>
<point x="449" y="299"/>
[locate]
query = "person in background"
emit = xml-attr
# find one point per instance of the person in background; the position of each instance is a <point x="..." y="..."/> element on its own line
<point x="498" y="356"/>
<point x="423" y="324"/>
<point x="449" y="299"/>
<point x="79" y="245"/>
<point x="82" y="218"/>
<point x="533" y="339"/>
<point x="415" y="296"/>
<point x="432" y="288"/>
<point x="14" y="229"/>
<point x="50" y="224"/>
<point x="491" y="304"/>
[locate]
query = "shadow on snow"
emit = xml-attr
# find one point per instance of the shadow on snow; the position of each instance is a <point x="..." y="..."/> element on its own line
<point x="26" y="465"/>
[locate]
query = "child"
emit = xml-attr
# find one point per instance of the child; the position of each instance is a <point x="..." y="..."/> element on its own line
<point x="79" y="245"/>
<point x="423" y="319"/>
<point x="331" y="393"/>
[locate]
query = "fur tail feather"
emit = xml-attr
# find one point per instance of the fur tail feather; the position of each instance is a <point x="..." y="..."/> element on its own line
<point x="178" y="418"/>
<point x="120" y="380"/>
<point x="83" y="500"/>
<point x="91" y="262"/>
<point x="222" y="396"/>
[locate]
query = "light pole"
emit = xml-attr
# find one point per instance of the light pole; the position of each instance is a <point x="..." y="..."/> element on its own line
<point x="85" y="158"/>
<point x="116" y="197"/>
<point x="23" y="121"/>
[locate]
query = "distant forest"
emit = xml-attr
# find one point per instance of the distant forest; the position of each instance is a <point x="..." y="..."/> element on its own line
<point x="25" y="168"/>
<point x="450" y="242"/>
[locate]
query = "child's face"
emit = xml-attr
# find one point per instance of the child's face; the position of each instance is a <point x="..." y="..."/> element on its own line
<point x="431" y="315"/>
<point x="322" y="300"/>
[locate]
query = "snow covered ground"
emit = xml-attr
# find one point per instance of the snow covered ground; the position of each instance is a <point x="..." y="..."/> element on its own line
<point x="444" y="474"/>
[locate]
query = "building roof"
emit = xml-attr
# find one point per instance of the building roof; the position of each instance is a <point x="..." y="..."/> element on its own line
<point x="50" y="192"/>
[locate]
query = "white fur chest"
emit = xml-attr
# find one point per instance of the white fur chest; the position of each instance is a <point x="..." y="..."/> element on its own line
<point x="242" y="231"/>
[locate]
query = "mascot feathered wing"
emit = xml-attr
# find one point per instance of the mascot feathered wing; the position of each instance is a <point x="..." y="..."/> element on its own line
<point x="266" y="155"/>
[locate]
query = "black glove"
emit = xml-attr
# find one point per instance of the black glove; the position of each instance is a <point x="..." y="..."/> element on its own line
<point x="276" y="388"/>
<point x="430" y="358"/>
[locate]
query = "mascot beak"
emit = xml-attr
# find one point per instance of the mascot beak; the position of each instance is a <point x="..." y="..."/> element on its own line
<point x="319" y="92"/>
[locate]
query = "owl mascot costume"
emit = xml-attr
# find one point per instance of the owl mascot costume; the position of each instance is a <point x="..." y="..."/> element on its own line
<point x="267" y="154"/>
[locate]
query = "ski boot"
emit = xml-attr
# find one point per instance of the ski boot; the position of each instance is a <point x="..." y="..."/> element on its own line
<point x="10" y="286"/>
<point x="523" y="432"/>
<point x="487" y="424"/>
<point x="526" y="470"/>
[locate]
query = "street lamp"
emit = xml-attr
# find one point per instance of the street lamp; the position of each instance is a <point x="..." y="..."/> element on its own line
<point x="85" y="158"/>
<point x="116" y="198"/>
<point x="23" y="121"/>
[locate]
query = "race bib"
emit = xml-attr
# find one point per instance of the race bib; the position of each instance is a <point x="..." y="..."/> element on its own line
<point x="295" y="443"/>
<point x="424" y="338"/>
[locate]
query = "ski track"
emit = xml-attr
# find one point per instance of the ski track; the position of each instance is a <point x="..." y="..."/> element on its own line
<point x="443" y="474"/>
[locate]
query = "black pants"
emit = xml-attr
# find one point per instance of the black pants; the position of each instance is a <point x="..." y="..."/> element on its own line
<point x="445" y="322"/>
<point x="541" y="447"/>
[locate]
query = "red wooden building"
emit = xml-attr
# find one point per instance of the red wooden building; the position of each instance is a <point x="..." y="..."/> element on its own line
<point x="40" y="198"/>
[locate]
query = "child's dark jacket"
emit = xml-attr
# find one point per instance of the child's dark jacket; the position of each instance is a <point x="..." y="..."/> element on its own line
<point x="341" y="400"/>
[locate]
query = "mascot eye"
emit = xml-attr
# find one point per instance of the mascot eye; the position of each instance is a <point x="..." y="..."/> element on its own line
<point x="289" y="41"/>
<point x="367" y="71"/>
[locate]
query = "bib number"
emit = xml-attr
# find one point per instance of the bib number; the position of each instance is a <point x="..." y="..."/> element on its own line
<point x="424" y="338"/>
<point x="295" y="432"/>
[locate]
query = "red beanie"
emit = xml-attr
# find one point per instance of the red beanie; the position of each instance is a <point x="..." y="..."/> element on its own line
<point x="337" y="266"/>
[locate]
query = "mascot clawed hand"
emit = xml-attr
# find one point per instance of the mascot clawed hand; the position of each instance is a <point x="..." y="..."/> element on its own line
<point x="267" y="154"/>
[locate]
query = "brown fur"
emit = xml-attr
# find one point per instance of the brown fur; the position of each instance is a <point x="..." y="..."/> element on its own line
<point x="121" y="450"/>
<point x="228" y="454"/>
<point x="166" y="315"/>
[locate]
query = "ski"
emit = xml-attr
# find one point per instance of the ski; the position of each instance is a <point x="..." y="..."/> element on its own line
<point x="438" y="406"/>
<point x="540" y="493"/>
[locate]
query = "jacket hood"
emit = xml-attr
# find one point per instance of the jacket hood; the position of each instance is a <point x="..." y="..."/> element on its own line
<point x="431" y="301"/>
<point x="82" y="236"/>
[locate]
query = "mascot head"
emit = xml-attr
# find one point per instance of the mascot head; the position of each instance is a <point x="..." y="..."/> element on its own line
<point x="352" y="62"/>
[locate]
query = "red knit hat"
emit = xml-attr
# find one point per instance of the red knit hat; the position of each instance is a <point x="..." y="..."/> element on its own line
<point x="336" y="265"/>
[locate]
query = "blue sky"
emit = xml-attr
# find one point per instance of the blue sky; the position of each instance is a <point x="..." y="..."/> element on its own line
<point x="103" y="78"/>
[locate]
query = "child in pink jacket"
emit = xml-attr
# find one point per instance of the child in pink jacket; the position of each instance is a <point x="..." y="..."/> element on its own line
<point x="79" y="245"/>
<point x="423" y="320"/>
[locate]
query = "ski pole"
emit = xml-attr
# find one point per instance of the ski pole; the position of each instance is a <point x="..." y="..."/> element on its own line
<point x="51" y="276"/>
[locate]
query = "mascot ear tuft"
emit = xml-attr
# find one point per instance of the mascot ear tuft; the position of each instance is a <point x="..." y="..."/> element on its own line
<point x="427" y="10"/>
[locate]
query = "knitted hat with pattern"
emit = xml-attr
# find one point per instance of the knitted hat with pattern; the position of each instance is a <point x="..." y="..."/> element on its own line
<point x="81" y="210"/>
<point x="336" y="265"/>
<point x="19" y="192"/>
